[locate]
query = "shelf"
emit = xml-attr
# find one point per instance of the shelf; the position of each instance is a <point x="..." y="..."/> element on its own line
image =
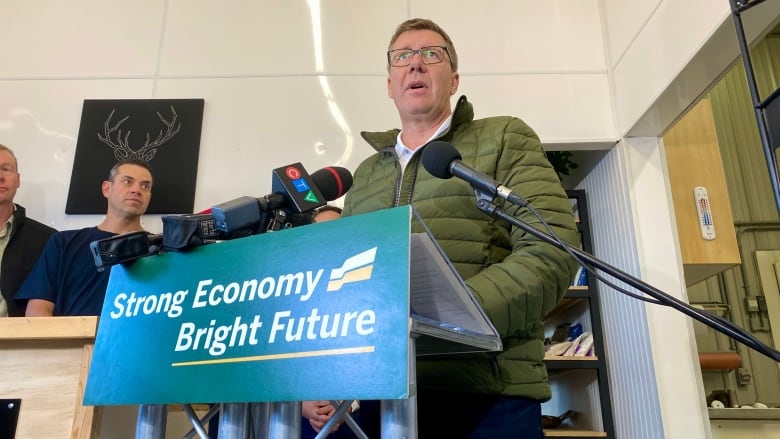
<point x="573" y="296"/>
<point x="571" y="358"/>
<point x="579" y="383"/>
<point x="568" y="363"/>
<point x="562" y="306"/>
<point x="745" y="414"/>
<point x="576" y="292"/>
<point x="564" y="432"/>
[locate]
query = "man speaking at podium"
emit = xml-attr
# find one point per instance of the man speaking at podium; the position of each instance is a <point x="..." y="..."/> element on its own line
<point x="516" y="278"/>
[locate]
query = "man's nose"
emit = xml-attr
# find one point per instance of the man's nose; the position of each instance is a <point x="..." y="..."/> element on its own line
<point x="416" y="61"/>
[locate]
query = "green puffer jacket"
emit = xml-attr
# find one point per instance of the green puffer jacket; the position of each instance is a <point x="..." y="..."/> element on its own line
<point x="516" y="278"/>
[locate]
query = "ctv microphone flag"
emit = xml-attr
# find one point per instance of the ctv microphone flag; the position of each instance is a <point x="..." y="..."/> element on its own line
<point x="294" y="183"/>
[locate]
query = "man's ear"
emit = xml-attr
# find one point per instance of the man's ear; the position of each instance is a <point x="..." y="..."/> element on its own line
<point x="106" y="188"/>
<point x="389" y="90"/>
<point x="455" y="83"/>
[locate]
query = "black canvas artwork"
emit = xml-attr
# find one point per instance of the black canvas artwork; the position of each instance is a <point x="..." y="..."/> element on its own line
<point x="165" y="133"/>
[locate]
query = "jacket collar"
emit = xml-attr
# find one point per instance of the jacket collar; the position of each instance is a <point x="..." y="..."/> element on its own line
<point x="19" y="213"/>
<point x="18" y="217"/>
<point x="382" y="140"/>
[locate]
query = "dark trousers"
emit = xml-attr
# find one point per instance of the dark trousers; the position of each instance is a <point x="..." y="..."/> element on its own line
<point x="456" y="416"/>
<point x="477" y="416"/>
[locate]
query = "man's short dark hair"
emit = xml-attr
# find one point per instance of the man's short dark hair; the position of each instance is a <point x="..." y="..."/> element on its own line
<point x="426" y="24"/>
<point x="115" y="169"/>
<point x="327" y="208"/>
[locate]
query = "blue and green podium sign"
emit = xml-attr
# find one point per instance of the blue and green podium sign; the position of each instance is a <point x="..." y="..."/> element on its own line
<point x="314" y="312"/>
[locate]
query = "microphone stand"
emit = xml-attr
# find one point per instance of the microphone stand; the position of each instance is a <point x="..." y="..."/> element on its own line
<point x="485" y="204"/>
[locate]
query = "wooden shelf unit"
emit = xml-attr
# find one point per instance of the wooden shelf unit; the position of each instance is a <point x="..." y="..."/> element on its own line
<point x="581" y="374"/>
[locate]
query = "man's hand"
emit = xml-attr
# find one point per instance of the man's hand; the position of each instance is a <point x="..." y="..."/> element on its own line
<point x="318" y="413"/>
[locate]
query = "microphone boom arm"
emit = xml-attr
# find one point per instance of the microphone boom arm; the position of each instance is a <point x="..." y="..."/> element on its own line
<point x="485" y="204"/>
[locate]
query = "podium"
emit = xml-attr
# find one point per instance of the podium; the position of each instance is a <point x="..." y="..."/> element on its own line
<point x="44" y="363"/>
<point x="258" y="320"/>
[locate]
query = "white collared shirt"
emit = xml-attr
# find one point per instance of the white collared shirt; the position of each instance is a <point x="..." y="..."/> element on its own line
<point x="405" y="154"/>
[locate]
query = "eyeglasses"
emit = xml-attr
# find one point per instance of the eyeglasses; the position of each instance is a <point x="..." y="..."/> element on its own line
<point x="428" y="55"/>
<point x="7" y="170"/>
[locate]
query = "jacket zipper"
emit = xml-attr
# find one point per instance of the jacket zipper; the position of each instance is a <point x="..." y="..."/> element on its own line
<point x="399" y="181"/>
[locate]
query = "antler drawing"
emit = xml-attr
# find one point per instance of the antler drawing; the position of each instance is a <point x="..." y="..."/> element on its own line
<point x="121" y="146"/>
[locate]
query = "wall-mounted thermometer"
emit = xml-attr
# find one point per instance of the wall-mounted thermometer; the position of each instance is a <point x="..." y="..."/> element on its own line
<point x="705" y="213"/>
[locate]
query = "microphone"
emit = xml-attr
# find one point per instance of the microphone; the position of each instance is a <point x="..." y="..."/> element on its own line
<point x="294" y="192"/>
<point x="124" y="249"/>
<point x="442" y="160"/>
<point x="243" y="216"/>
<point x="182" y="232"/>
<point x="333" y="181"/>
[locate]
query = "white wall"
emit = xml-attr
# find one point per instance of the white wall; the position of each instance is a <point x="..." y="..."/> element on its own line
<point x="664" y="54"/>
<point x="268" y="101"/>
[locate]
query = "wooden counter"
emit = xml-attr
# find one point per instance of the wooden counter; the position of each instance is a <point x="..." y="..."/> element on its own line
<point x="44" y="362"/>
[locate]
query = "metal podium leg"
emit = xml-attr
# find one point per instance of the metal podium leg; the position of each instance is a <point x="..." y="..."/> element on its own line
<point x="151" y="423"/>
<point x="399" y="416"/>
<point x="285" y="420"/>
<point x="341" y="413"/>
<point x="261" y="419"/>
<point x="197" y="423"/>
<point x="234" y="421"/>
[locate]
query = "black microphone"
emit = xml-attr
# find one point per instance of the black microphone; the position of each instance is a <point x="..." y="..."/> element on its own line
<point x="333" y="181"/>
<point x="124" y="249"/>
<point x="294" y="192"/>
<point x="442" y="160"/>
<point x="183" y="232"/>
